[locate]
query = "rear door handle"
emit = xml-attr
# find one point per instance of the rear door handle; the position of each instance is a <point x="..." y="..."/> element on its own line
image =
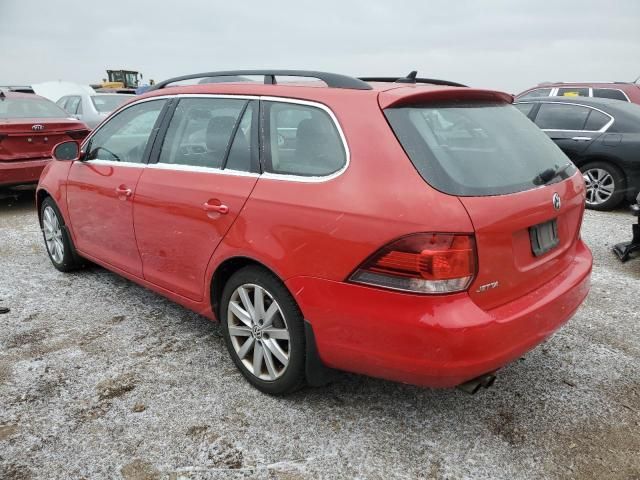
<point x="217" y="208"/>
<point x="581" y="139"/>
<point x="123" y="190"/>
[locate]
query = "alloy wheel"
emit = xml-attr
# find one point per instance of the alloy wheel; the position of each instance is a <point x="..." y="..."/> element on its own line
<point x="53" y="234"/>
<point x="258" y="332"/>
<point x="600" y="185"/>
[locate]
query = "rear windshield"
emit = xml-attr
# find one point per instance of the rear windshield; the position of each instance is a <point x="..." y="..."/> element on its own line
<point x="108" y="103"/>
<point x="475" y="149"/>
<point x="30" y="108"/>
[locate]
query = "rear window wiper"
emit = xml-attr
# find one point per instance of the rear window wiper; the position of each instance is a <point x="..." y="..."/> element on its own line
<point x="549" y="174"/>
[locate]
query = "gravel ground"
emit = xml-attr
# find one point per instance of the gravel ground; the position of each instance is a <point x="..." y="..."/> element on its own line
<point x="100" y="378"/>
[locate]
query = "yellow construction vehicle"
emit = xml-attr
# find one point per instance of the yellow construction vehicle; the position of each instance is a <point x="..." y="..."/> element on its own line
<point x="122" y="81"/>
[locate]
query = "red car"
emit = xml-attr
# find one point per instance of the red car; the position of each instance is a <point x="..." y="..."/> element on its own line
<point x="413" y="230"/>
<point x="625" y="91"/>
<point x="29" y="127"/>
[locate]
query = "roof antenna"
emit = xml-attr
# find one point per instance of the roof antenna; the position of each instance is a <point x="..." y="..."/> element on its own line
<point x="636" y="80"/>
<point x="411" y="78"/>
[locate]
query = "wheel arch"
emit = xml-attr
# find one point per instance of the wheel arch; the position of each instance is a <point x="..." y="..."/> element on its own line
<point x="41" y="195"/>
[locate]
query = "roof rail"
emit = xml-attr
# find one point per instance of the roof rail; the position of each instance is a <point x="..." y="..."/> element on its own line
<point x="412" y="78"/>
<point x="332" y="80"/>
<point x="17" y="88"/>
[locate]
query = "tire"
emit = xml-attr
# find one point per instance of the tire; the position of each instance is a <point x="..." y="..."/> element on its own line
<point x="60" y="248"/>
<point x="267" y="344"/>
<point x="600" y="177"/>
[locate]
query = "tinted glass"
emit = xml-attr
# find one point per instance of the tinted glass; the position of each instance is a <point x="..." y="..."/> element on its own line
<point x="573" y="92"/>
<point x="124" y="137"/>
<point x="609" y="93"/>
<point x="200" y="132"/>
<point x="30" y="108"/>
<point x="525" y="107"/>
<point x="560" y="116"/>
<point x="475" y="149"/>
<point x="240" y="153"/>
<point x="108" y="103"/>
<point x="303" y="141"/>
<point x="540" y="92"/>
<point x="596" y="120"/>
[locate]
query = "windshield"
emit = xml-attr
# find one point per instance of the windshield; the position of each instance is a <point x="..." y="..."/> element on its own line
<point x="30" y="108"/>
<point x="108" y="103"/>
<point x="476" y="149"/>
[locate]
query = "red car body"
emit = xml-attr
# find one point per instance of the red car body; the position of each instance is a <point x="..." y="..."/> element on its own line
<point x="148" y="225"/>
<point x="26" y="139"/>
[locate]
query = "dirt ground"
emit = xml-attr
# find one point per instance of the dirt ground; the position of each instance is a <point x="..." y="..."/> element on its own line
<point x="102" y="379"/>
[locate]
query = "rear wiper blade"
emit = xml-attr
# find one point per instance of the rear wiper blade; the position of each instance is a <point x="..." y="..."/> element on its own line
<point x="549" y="174"/>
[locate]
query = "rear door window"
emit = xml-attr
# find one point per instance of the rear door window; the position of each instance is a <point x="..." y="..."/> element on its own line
<point x="612" y="93"/>
<point x="561" y="116"/>
<point x="72" y="105"/>
<point x="475" y="149"/>
<point x="596" y="120"/>
<point x="302" y="140"/>
<point x="573" y="92"/>
<point x="201" y="130"/>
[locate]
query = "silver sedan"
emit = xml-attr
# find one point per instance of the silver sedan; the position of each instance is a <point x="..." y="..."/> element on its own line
<point x="92" y="109"/>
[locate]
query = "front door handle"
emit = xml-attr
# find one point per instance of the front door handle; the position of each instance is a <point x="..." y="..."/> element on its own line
<point x="123" y="190"/>
<point x="215" y="207"/>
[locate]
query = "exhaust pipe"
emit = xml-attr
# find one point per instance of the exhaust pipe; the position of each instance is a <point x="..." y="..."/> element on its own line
<point x="483" y="381"/>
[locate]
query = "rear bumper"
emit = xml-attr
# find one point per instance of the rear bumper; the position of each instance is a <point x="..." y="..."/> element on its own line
<point x="433" y="341"/>
<point x="21" y="172"/>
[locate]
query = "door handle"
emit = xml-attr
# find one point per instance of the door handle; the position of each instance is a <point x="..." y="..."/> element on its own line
<point x="581" y="139"/>
<point x="217" y="208"/>
<point x="123" y="190"/>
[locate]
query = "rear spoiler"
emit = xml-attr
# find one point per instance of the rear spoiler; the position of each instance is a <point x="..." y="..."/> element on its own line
<point x="412" y="96"/>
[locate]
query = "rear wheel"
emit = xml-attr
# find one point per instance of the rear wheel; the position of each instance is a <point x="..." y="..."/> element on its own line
<point x="264" y="330"/>
<point x="56" y="238"/>
<point x="605" y="185"/>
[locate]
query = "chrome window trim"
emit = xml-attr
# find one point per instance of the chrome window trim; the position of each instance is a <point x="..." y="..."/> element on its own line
<point x="602" y="130"/>
<point x="193" y="168"/>
<point x="111" y="163"/>
<point x="267" y="175"/>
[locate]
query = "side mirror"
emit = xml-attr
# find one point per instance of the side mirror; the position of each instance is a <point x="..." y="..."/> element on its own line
<point x="66" y="151"/>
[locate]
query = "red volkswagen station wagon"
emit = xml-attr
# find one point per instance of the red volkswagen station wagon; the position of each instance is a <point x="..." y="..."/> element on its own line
<point x="409" y="229"/>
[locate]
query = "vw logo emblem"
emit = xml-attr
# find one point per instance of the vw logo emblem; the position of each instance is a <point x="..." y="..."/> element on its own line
<point x="37" y="128"/>
<point x="556" y="201"/>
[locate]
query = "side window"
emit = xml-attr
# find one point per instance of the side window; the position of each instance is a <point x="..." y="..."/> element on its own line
<point x="596" y="121"/>
<point x="610" y="93"/>
<point x="303" y="141"/>
<point x="124" y="137"/>
<point x="560" y="116"/>
<point x="241" y="148"/>
<point x="537" y="93"/>
<point x="525" y="108"/>
<point x="61" y="102"/>
<point x="573" y="92"/>
<point x="72" y="105"/>
<point x="200" y="132"/>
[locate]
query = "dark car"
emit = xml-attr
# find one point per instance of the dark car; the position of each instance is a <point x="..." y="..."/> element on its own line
<point x="601" y="136"/>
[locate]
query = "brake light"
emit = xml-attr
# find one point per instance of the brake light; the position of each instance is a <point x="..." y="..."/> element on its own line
<point x="78" y="134"/>
<point x="423" y="263"/>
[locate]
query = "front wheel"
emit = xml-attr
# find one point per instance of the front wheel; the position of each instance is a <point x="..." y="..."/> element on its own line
<point x="605" y="185"/>
<point x="264" y="331"/>
<point x="56" y="238"/>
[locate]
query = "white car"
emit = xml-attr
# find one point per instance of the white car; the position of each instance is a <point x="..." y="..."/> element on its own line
<point x="92" y="109"/>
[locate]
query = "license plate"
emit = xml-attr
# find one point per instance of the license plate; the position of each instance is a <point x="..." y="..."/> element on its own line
<point x="544" y="237"/>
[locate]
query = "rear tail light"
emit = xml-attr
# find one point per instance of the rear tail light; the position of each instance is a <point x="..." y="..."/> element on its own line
<point x="422" y="263"/>
<point x="78" y="134"/>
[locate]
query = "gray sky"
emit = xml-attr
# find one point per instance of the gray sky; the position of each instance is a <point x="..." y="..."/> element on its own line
<point x="506" y="45"/>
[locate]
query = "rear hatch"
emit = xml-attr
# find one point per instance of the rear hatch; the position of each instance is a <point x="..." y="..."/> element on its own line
<point x="523" y="195"/>
<point x="34" y="138"/>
